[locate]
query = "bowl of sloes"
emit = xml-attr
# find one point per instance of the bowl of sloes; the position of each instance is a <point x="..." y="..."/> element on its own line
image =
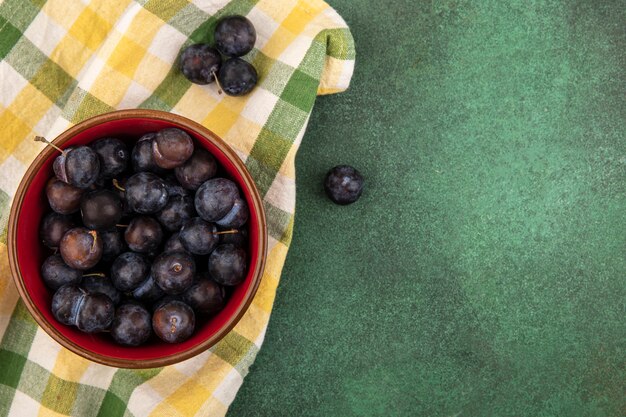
<point x="137" y="238"/>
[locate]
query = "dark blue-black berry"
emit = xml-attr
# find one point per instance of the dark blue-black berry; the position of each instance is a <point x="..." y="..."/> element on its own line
<point x="215" y="198"/>
<point x="148" y="291"/>
<point x="198" y="236"/>
<point x="205" y="296"/>
<point x="228" y="264"/>
<point x="236" y="217"/>
<point x="79" y="166"/>
<point x="174" y="188"/>
<point x="146" y="193"/>
<point x="101" y="209"/>
<point x="174" y="322"/>
<point x="237" y="77"/>
<point x="132" y="324"/>
<point x="171" y="147"/>
<point x="199" y="168"/>
<point x="113" y="155"/>
<point x="100" y="284"/>
<point x="174" y="244"/>
<point x="176" y="212"/>
<point x="200" y="63"/>
<point x="235" y="36"/>
<point x="66" y="303"/>
<point x="129" y="270"/>
<point x="56" y="273"/>
<point x="143" y="234"/>
<point x="53" y="227"/>
<point x="343" y="184"/>
<point x="95" y="313"/>
<point x="63" y="197"/>
<point x="113" y="244"/>
<point x="142" y="157"/>
<point x="174" y="272"/>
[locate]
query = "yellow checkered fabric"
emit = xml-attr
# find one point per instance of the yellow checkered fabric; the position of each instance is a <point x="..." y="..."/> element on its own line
<point x="62" y="61"/>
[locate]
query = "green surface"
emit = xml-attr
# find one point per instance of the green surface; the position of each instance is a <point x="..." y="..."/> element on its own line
<point x="483" y="271"/>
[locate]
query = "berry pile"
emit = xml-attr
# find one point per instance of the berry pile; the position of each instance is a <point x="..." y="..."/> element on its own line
<point x="202" y="64"/>
<point x="146" y="240"/>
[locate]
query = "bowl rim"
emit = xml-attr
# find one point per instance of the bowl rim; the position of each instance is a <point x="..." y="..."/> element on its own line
<point x="257" y="206"/>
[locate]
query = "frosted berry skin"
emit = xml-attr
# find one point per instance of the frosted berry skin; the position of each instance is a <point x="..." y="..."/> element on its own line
<point x="114" y="156"/>
<point x="91" y="313"/>
<point x="94" y="284"/>
<point x="101" y="209"/>
<point x="113" y="244"/>
<point x="63" y="197"/>
<point x="141" y="156"/>
<point x="53" y="227"/>
<point x="174" y="322"/>
<point x="237" y="77"/>
<point x="343" y="184"/>
<point x="228" y="264"/>
<point x="132" y="324"/>
<point x="205" y="296"/>
<point x="174" y="272"/>
<point x="236" y="217"/>
<point x="66" y="303"/>
<point x="129" y="270"/>
<point x="81" y="248"/>
<point x="198" y="236"/>
<point x="95" y="313"/>
<point x="173" y="244"/>
<point x="215" y="198"/>
<point x="56" y="273"/>
<point x="146" y="193"/>
<point x="171" y="148"/>
<point x="200" y="167"/>
<point x="235" y="36"/>
<point x="199" y="63"/>
<point x="148" y="291"/>
<point x="143" y="234"/>
<point x="176" y="212"/>
<point x="79" y="166"/>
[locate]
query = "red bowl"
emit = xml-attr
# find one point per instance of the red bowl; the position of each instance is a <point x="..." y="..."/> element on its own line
<point x="27" y="253"/>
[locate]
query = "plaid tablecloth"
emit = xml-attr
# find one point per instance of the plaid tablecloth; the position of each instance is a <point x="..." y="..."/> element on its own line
<point x="62" y="61"/>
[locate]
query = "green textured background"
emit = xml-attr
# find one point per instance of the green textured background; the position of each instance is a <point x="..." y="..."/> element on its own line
<point x="482" y="273"/>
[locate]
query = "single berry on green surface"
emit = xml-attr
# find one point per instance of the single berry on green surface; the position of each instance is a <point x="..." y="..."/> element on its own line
<point x="343" y="184"/>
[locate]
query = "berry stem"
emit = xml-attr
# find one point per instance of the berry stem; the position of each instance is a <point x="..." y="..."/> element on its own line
<point x="227" y="232"/>
<point x="121" y="225"/>
<point x="94" y="234"/>
<point x="47" y="142"/>
<point x="117" y="185"/>
<point x="219" y="86"/>
<point x="95" y="274"/>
